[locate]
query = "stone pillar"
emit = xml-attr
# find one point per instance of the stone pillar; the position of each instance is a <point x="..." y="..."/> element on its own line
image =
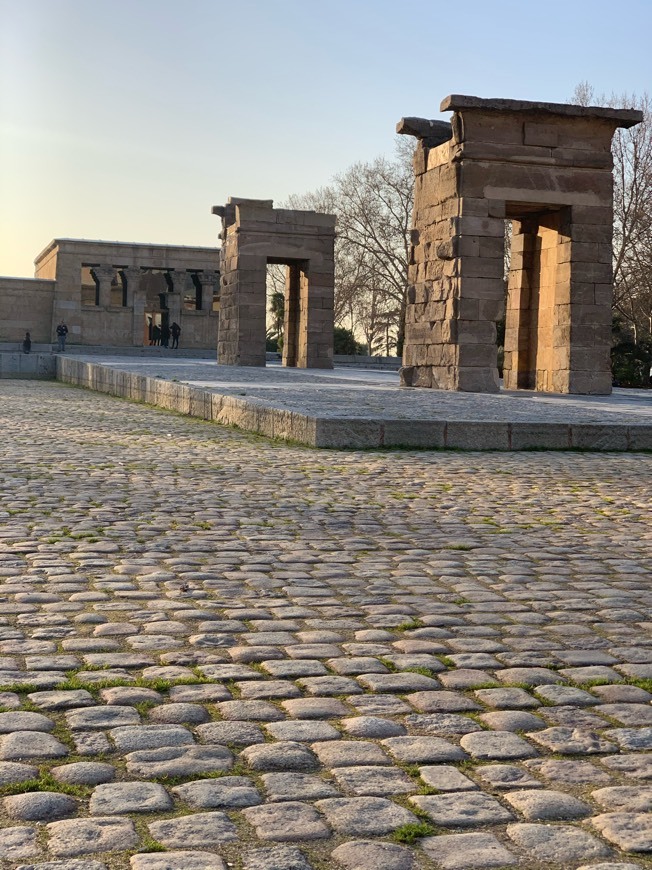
<point x="132" y="277"/>
<point x="180" y="283"/>
<point x="174" y="302"/>
<point x="315" y="349"/>
<point x="558" y="324"/>
<point x="208" y="280"/>
<point x="588" y="258"/>
<point x="516" y="364"/>
<point x="241" y="340"/>
<point x="292" y="315"/>
<point x="136" y="301"/>
<point x="104" y="275"/>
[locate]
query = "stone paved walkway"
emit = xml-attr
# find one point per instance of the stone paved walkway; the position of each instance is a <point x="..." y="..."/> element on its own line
<point x="217" y="652"/>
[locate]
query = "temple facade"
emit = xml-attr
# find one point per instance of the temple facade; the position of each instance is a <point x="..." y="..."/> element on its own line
<point x="114" y="294"/>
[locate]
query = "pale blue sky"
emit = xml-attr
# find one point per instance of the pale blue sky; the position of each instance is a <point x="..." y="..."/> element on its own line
<point x="129" y="119"/>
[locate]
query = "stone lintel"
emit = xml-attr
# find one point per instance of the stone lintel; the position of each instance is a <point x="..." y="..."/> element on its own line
<point x="433" y="133"/>
<point x="620" y="117"/>
<point x="258" y="203"/>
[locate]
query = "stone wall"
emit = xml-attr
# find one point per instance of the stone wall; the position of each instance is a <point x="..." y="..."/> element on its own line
<point x="26" y="306"/>
<point x="28" y="366"/>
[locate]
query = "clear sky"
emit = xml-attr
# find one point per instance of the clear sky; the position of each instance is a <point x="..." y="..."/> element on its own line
<point x="128" y="119"/>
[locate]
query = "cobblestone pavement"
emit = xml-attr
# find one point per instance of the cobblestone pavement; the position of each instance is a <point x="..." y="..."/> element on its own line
<point x="217" y="652"/>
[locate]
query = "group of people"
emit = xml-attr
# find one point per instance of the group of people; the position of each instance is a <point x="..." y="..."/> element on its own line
<point x="158" y="335"/>
<point x="62" y="332"/>
<point x="161" y="335"/>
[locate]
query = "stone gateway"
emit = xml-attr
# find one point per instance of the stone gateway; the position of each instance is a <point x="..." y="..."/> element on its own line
<point x="253" y="235"/>
<point x="546" y="167"/>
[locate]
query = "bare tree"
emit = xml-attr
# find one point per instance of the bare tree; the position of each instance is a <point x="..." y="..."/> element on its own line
<point x="373" y="203"/>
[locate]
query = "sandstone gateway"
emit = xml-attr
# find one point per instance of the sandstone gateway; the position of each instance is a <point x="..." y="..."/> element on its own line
<point x="547" y="167"/>
<point x="253" y="235"/>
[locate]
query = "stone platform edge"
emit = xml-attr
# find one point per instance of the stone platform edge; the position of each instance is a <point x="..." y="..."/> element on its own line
<point x="351" y="433"/>
<point x="35" y="366"/>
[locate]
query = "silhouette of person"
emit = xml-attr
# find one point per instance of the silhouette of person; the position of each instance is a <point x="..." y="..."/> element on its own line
<point x="175" y="332"/>
<point x="62" y="332"/>
<point x="27" y="343"/>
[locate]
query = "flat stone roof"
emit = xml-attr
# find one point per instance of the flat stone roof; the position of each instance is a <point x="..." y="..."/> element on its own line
<point x="351" y="407"/>
<point x="57" y="242"/>
<point x="622" y="117"/>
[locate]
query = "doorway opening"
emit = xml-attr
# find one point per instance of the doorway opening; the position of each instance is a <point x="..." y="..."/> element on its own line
<point x="287" y="282"/>
<point x="537" y="285"/>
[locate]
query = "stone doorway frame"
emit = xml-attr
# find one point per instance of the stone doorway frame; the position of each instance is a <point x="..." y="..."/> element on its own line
<point x="255" y="234"/>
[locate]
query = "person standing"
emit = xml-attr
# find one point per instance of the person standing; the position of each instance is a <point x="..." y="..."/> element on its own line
<point x="175" y="332"/>
<point x="165" y="335"/>
<point x="27" y="343"/>
<point x="62" y="332"/>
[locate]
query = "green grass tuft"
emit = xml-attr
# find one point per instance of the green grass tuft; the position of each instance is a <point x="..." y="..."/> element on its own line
<point x="411" y="832"/>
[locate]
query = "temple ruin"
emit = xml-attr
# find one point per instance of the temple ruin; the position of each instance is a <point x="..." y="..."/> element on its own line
<point x="547" y="168"/>
<point x="253" y="235"/>
<point x="114" y="294"/>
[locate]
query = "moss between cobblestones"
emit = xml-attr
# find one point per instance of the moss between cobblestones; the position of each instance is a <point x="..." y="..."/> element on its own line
<point x="409" y="625"/>
<point x="93" y="686"/>
<point x="410" y="833"/>
<point x="45" y="782"/>
<point x="147" y="842"/>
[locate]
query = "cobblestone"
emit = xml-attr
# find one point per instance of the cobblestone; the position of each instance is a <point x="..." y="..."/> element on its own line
<point x="462" y="851"/>
<point x="462" y="810"/>
<point x="288" y="821"/>
<point x="201" y="831"/>
<point x="362" y="854"/>
<point x="117" y="798"/>
<point x="242" y="643"/>
<point x="364" y="816"/>
<point x="40" y="806"/>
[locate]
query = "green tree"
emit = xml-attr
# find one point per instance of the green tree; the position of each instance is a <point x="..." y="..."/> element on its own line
<point x="344" y="342"/>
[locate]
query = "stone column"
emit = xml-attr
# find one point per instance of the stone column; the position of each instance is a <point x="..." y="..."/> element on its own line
<point x="588" y="259"/>
<point x="315" y="345"/>
<point x="104" y="274"/>
<point x="136" y="301"/>
<point x="174" y="301"/>
<point x="132" y="277"/>
<point x="241" y="340"/>
<point x="208" y="282"/>
<point x="518" y="316"/>
<point x="180" y="283"/>
<point x="292" y="315"/>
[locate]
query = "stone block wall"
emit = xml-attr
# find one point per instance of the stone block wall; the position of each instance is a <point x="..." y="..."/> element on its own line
<point x="26" y="306"/>
<point x="28" y="366"/>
